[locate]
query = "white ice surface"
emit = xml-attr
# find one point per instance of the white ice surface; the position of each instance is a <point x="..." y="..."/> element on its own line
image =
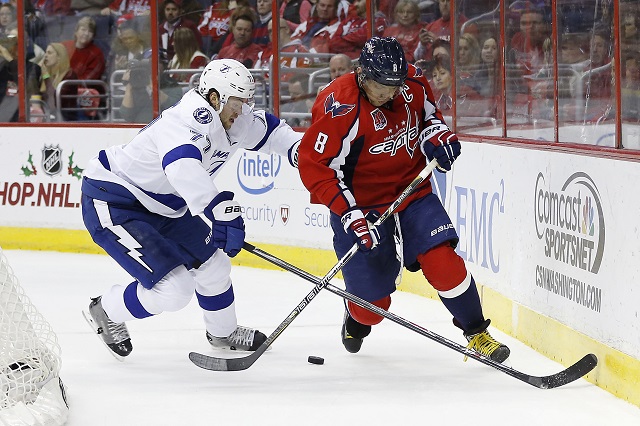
<point x="398" y="378"/>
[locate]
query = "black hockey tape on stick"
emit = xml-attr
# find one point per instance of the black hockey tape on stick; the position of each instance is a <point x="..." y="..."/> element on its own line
<point x="568" y="375"/>
<point x="242" y="363"/>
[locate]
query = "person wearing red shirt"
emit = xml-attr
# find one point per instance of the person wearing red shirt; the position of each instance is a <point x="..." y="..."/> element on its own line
<point x="173" y="20"/>
<point x="316" y="32"/>
<point x="242" y="49"/>
<point x="353" y="32"/>
<point x="407" y="27"/>
<point x="440" y="29"/>
<point x="372" y="133"/>
<point x="286" y="46"/>
<point x="87" y="59"/>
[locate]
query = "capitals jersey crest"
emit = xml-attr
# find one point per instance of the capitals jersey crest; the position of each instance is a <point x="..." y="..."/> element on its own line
<point x="336" y="108"/>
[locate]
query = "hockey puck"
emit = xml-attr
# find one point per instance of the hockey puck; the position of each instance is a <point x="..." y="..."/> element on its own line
<point x="315" y="360"/>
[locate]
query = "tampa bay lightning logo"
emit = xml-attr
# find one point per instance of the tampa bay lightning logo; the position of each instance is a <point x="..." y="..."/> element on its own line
<point x="202" y="115"/>
<point x="336" y="108"/>
<point x="225" y="68"/>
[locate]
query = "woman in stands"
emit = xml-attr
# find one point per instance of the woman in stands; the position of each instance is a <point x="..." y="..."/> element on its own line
<point x="468" y="100"/>
<point x="406" y="28"/>
<point x="55" y="68"/>
<point x="187" y="54"/>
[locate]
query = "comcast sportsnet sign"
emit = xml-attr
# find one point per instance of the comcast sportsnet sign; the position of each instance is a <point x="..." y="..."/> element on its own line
<point x="569" y="221"/>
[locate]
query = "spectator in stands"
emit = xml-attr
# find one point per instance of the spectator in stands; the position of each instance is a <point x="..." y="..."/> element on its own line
<point x="317" y="30"/>
<point x="89" y="7"/>
<point x="300" y="101"/>
<point x="406" y="28"/>
<point x="599" y="82"/>
<point x="260" y="36"/>
<point x="286" y="46"/>
<point x="295" y="12"/>
<point x="631" y="86"/>
<point x="7" y="18"/>
<point x="353" y="32"/>
<point x="128" y="8"/>
<point x="526" y="45"/>
<point x="174" y="20"/>
<point x="8" y="78"/>
<point x="214" y="26"/>
<point x="188" y="54"/>
<point x="440" y="29"/>
<point x="87" y="60"/>
<point x="128" y="45"/>
<point x="339" y="64"/>
<point x="442" y="84"/>
<point x="242" y="49"/>
<point x="137" y="104"/>
<point x="55" y="68"/>
<point x="488" y="78"/>
<point x="468" y="63"/>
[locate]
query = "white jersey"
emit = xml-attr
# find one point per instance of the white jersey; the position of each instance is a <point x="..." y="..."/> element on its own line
<point x="171" y="164"/>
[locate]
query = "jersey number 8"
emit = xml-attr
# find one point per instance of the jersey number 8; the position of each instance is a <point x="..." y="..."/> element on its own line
<point x="320" y="142"/>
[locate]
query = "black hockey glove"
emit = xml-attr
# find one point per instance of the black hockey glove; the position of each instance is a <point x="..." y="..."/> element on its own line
<point x="438" y="142"/>
<point x="360" y="230"/>
<point x="227" y="224"/>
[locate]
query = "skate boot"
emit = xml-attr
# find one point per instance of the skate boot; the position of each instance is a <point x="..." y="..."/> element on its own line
<point x="114" y="335"/>
<point x="353" y="333"/>
<point x="481" y="341"/>
<point x="242" y="339"/>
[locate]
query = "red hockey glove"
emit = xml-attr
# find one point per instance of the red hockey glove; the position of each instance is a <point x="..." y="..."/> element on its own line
<point x="356" y="225"/>
<point x="438" y="142"/>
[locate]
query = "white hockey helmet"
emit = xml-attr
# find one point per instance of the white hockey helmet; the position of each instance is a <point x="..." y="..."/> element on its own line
<point x="229" y="78"/>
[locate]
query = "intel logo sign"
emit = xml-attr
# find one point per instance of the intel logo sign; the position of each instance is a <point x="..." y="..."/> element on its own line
<point x="257" y="172"/>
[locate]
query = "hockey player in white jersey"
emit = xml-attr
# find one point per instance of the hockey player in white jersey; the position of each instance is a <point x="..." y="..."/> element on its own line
<point x="154" y="207"/>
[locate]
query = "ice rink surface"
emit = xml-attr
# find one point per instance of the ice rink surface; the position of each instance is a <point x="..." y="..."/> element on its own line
<point x="398" y="378"/>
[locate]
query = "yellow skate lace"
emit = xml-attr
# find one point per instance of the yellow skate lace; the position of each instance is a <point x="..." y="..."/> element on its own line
<point x="482" y="343"/>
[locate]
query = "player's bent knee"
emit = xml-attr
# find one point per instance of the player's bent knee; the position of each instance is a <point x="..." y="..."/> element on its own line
<point x="365" y="316"/>
<point x="175" y="290"/>
<point x="443" y="268"/>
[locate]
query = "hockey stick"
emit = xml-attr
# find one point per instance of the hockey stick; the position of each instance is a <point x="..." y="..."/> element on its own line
<point x="568" y="375"/>
<point x="242" y="363"/>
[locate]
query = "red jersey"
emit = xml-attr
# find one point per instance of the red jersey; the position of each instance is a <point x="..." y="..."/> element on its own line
<point x="247" y="55"/>
<point x="406" y="36"/>
<point x="356" y="154"/>
<point x="353" y="33"/>
<point x="215" y="22"/>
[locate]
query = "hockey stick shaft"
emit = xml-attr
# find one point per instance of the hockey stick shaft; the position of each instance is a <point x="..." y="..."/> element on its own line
<point x="233" y="364"/>
<point x="568" y="375"/>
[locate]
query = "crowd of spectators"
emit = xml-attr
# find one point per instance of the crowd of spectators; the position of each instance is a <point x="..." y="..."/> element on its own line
<point x="107" y="38"/>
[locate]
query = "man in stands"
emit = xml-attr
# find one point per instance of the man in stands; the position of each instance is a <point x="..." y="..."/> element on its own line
<point x="316" y="32"/>
<point x="242" y="49"/>
<point x="440" y="29"/>
<point x="286" y="46"/>
<point x="260" y="36"/>
<point x="173" y="19"/>
<point x="353" y="32"/>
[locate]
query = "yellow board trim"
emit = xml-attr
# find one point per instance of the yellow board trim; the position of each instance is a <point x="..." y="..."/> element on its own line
<point x="617" y="372"/>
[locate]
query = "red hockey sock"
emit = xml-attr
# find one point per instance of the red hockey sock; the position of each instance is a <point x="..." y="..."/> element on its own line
<point x="366" y="317"/>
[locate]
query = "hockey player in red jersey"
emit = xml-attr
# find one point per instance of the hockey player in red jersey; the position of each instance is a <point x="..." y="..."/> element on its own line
<point x="372" y="132"/>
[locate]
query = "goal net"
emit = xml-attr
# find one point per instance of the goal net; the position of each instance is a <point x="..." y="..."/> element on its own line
<point x="31" y="392"/>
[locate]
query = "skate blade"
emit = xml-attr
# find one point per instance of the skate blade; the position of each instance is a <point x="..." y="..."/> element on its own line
<point x="94" y="327"/>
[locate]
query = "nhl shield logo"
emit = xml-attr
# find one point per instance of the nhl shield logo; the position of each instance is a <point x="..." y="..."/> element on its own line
<point x="379" y="120"/>
<point x="284" y="213"/>
<point x="52" y="159"/>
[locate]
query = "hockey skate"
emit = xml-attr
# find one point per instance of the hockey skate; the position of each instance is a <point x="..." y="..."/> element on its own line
<point x="481" y="341"/>
<point x="353" y="333"/>
<point x="114" y="335"/>
<point x="242" y="339"/>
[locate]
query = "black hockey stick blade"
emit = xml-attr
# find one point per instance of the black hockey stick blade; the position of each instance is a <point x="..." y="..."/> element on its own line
<point x="242" y="363"/>
<point x="568" y="375"/>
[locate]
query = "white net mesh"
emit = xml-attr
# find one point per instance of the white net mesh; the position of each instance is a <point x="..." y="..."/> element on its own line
<point x="29" y="359"/>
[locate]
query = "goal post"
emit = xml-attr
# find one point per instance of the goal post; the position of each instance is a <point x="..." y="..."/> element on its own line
<point x="31" y="392"/>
